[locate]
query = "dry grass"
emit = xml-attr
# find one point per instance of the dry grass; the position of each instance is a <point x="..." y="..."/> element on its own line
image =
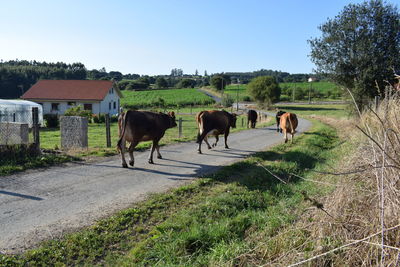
<point x="355" y="206"/>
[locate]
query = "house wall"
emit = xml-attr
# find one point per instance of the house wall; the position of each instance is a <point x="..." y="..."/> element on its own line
<point x="101" y="107"/>
<point x="111" y="98"/>
<point x="63" y="106"/>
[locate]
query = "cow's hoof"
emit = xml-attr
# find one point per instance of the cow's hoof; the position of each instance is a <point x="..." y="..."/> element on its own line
<point x="159" y="157"/>
<point x="131" y="162"/>
<point x="209" y="147"/>
<point x="199" y="152"/>
<point x="124" y="165"/>
<point x="227" y="147"/>
<point x="214" y="145"/>
<point x="151" y="161"/>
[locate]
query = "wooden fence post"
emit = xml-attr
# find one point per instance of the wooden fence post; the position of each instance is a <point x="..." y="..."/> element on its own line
<point x="242" y="122"/>
<point x="180" y="127"/>
<point x="108" y="132"/>
<point x="35" y="127"/>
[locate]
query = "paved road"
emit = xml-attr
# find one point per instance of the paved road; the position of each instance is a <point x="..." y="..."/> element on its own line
<point x="43" y="204"/>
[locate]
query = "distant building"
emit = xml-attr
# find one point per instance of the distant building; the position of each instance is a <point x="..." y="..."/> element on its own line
<point x="312" y="79"/>
<point x="56" y="96"/>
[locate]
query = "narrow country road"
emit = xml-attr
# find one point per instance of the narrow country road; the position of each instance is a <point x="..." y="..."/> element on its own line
<point x="42" y="204"/>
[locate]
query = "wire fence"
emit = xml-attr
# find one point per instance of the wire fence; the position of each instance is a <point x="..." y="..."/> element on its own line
<point x="16" y="127"/>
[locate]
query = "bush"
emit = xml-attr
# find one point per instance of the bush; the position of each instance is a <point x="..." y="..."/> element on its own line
<point x="247" y="98"/>
<point x="52" y="120"/>
<point x="227" y="101"/>
<point x="78" y="111"/>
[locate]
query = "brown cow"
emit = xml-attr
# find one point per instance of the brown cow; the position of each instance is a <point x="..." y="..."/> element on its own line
<point x="214" y="122"/>
<point x="251" y="118"/>
<point x="140" y="126"/>
<point x="288" y="123"/>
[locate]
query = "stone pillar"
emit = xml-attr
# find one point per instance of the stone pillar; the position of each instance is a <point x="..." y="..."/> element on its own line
<point x="74" y="132"/>
<point x="14" y="133"/>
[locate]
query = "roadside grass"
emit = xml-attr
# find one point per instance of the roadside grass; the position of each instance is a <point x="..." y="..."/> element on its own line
<point x="216" y="220"/>
<point x="17" y="162"/>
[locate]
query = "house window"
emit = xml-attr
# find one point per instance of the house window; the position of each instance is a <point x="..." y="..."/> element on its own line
<point x="54" y="106"/>
<point x="109" y="105"/>
<point x="115" y="105"/>
<point x="87" y="107"/>
<point x="71" y="103"/>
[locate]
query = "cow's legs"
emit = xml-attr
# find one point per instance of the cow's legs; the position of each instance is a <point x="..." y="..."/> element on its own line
<point x="130" y="150"/>
<point x="121" y="146"/>
<point x="226" y="138"/>
<point x="291" y="140"/>
<point x="285" y="135"/>
<point x="206" y="141"/>
<point x="158" y="152"/>
<point x="200" y="139"/>
<point x="153" y="147"/>
<point x="216" y="141"/>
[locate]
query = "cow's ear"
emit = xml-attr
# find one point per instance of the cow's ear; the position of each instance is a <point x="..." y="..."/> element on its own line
<point x="234" y="115"/>
<point x="172" y="114"/>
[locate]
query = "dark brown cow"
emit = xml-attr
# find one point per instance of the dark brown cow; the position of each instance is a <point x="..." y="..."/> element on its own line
<point x="278" y="119"/>
<point x="140" y="126"/>
<point x="288" y="123"/>
<point x="251" y="118"/>
<point x="214" y="122"/>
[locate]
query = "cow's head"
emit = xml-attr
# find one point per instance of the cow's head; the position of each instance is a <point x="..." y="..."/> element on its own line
<point x="172" y="119"/>
<point x="233" y="120"/>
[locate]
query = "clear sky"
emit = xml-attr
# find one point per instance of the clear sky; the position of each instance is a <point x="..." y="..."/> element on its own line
<point x="153" y="37"/>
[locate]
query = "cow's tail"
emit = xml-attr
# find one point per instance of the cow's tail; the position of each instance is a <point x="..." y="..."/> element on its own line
<point x="119" y="144"/>
<point x="199" y="121"/>
<point x="291" y="119"/>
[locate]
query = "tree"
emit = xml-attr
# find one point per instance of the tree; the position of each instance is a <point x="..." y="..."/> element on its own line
<point x="161" y="82"/>
<point x="360" y="48"/>
<point x="219" y="81"/>
<point x="186" y="83"/>
<point x="264" y="89"/>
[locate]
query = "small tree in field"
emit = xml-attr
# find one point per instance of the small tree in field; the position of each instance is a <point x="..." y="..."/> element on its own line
<point x="161" y="83"/>
<point x="264" y="89"/>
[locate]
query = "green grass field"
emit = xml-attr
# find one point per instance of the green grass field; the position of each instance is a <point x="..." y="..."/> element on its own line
<point x="336" y="111"/>
<point x="166" y="98"/>
<point x="323" y="88"/>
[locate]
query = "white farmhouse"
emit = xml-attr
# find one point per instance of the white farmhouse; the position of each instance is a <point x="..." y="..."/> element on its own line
<point x="56" y="96"/>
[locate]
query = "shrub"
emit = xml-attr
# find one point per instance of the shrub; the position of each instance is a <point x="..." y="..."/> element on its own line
<point x="78" y="111"/>
<point x="227" y="101"/>
<point x="52" y="120"/>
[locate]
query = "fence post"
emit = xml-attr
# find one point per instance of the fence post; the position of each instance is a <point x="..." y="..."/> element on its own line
<point x="242" y="122"/>
<point x="108" y="132"/>
<point x="180" y="127"/>
<point x="35" y="127"/>
<point x="376" y="103"/>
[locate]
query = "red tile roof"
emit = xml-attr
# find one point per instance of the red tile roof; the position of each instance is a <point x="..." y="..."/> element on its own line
<point x="69" y="90"/>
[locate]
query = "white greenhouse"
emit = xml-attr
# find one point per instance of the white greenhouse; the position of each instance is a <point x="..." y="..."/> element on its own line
<point x="19" y="111"/>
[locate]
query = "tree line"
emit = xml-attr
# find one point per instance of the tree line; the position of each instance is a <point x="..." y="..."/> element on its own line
<point x="17" y="76"/>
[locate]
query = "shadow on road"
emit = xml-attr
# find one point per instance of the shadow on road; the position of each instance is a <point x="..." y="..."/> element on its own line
<point x="20" y="195"/>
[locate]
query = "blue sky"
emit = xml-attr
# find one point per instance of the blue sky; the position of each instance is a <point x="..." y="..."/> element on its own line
<point x="153" y="37"/>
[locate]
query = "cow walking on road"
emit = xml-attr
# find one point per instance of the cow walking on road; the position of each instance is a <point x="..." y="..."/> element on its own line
<point x="138" y="126"/>
<point x="214" y="122"/>
<point x="288" y="123"/>
<point x="251" y="118"/>
<point x="278" y="120"/>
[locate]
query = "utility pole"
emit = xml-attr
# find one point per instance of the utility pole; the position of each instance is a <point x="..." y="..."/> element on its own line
<point x="237" y="95"/>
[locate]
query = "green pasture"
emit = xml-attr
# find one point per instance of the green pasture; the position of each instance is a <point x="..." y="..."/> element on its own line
<point x="164" y="98"/>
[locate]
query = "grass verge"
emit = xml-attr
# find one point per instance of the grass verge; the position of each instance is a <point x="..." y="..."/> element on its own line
<point x="213" y="221"/>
